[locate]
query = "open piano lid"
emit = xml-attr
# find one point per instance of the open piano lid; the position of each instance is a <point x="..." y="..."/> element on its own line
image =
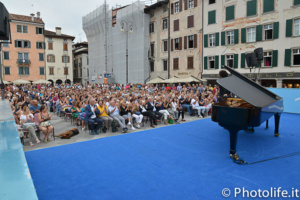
<point x="247" y="89"/>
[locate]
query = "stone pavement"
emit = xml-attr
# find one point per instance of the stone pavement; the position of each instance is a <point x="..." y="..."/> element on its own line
<point x="61" y="125"/>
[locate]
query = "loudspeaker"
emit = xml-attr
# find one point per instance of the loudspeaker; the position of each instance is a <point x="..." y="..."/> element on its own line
<point x="251" y="59"/>
<point x="259" y="53"/>
<point x="4" y="23"/>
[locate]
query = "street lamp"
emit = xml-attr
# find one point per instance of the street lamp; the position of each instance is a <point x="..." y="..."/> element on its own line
<point x="127" y="27"/>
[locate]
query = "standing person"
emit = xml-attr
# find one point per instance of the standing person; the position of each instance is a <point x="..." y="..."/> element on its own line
<point x="25" y="119"/>
<point x="114" y="113"/>
<point x="104" y="115"/>
<point x="45" y="125"/>
<point x="91" y="112"/>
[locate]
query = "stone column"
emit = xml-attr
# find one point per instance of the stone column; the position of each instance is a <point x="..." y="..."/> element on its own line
<point x="279" y="83"/>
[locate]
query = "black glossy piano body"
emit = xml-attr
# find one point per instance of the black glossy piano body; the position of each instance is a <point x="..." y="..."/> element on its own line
<point x="265" y="105"/>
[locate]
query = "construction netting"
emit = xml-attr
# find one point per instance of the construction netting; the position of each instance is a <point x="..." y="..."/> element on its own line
<point x="107" y="43"/>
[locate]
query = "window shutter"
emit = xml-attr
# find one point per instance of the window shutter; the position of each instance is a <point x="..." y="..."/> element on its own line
<point x="217" y="39"/>
<point x="296" y="2"/>
<point x="180" y="43"/>
<point x="172" y="8"/>
<point x="236" y="36"/>
<point x="216" y="62"/>
<point x="205" y="62"/>
<point x="68" y="59"/>
<point x="205" y="40"/>
<point x="37" y="45"/>
<point x="62" y="59"/>
<point x="251" y="8"/>
<point x="229" y="13"/>
<point x="287" y="57"/>
<point x="259" y="33"/>
<point x="289" y="28"/>
<point x="37" y="30"/>
<point x="53" y="58"/>
<point x="243" y="60"/>
<point x="47" y="58"/>
<point x="243" y="35"/>
<point x="212" y="17"/>
<point x="44" y="43"/>
<point x="196" y="3"/>
<point x="185" y="42"/>
<point x="222" y="61"/>
<point x="275" y="58"/>
<point x="185" y="4"/>
<point x="16" y="43"/>
<point x="276" y="30"/>
<point x="236" y="61"/>
<point x="258" y="64"/>
<point x="223" y="38"/>
<point x="180" y="5"/>
<point x="268" y="6"/>
<point x="192" y="21"/>
<point x="195" y="41"/>
<point x="172" y="45"/>
<point x="29" y="44"/>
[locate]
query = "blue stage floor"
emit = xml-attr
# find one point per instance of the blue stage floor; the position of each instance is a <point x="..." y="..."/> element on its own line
<point x="187" y="161"/>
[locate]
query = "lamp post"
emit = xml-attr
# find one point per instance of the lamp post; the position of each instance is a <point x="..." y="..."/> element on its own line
<point x="127" y="27"/>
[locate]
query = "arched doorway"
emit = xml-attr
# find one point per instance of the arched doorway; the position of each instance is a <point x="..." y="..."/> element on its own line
<point x="67" y="81"/>
<point x="51" y="81"/>
<point x="58" y="81"/>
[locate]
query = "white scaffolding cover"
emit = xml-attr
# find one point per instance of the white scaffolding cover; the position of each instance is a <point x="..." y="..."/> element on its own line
<point x="138" y="44"/>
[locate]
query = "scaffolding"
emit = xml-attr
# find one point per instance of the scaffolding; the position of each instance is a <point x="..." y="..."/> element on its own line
<point x="107" y="43"/>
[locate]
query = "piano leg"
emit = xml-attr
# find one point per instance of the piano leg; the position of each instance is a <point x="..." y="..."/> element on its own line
<point x="233" y="140"/>
<point x="267" y="124"/>
<point x="277" y="118"/>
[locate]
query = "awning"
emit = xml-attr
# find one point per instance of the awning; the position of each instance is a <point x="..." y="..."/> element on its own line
<point x="41" y="81"/>
<point x="156" y="80"/>
<point x="20" y="81"/>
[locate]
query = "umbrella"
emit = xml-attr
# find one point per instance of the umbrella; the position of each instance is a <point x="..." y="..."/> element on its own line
<point x="5" y="82"/>
<point x="20" y="81"/>
<point x="41" y="81"/>
<point x="171" y="80"/>
<point x="156" y="80"/>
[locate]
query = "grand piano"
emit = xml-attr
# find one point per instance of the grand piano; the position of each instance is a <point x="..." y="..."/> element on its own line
<point x="254" y="106"/>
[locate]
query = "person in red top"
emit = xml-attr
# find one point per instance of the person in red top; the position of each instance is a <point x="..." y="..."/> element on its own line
<point x="168" y="88"/>
<point x="174" y="87"/>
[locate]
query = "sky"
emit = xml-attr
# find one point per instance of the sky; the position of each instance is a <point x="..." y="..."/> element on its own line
<point x="66" y="14"/>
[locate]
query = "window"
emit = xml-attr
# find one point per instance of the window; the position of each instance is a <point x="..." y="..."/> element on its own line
<point x="152" y="66"/>
<point x="211" y="1"/>
<point x="41" y="57"/>
<point x="23" y="70"/>
<point x="23" y="56"/>
<point x="230" y="13"/>
<point x="51" y="58"/>
<point x="51" y="70"/>
<point x="65" y="59"/>
<point x="211" y="62"/>
<point x="175" y="63"/>
<point x="65" y="46"/>
<point x="165" y="65"/>
<point x="191" y="41"/>
<point x="212" y="40"/>
<point x="6" y="55"/>
<point x="66" y="71"/>
<point x="191" y="4"/>
<point x="39" y="30"/>
<point x="50" y="45"/>
<point x="229" y="60"/>
<point x="22" y="44"/>
<point x="190" y="21"/>
<point x="165" y="24"/>
<point x="49" y="39"/>
<point x="22" y="29"/>
<point x="230" y="37"/>
<point x="176" y="44"/>
<point x="296" y="56"/>
<point x="296" y="2"/>
<point x="5" y="44"/>
<point x="40" y="45"/>
<point x="176" y="25"/>
<point x="268" y="59"/>
<point x="251" y="8"/>
<point x="268" y="6"/>
<point x="190" y="62"/>
<point x="152" y="47"/>
<point x="151" y="27"/>
<point x="251" y="34"/>
<point x="165" y="45"/>
<point x="42" y="71"/>
<point x="268" y="31"/>
<point x="212" y="17"/>
<point x="6" y="70"/>
<point x="176" y="7"/>
<point x="296" y="27"/>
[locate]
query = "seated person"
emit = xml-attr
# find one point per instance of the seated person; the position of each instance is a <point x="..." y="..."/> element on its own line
<point x="114" y="113"/>
<point x="45" y="125"/>
<point x="75" y="111"/>
<point x="125" y="112"/>
<point x="160" y="108"/>
<point x="148" y="113"/>
<point x="91" y="113"/>
<point x="81" y="114"/>
<point x="35" y="108"/>
<point x="28" y="124"/>
<point x="104" y="115"/>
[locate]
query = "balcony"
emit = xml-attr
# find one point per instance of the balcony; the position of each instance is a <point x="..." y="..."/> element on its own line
<point x="23" y="62"/>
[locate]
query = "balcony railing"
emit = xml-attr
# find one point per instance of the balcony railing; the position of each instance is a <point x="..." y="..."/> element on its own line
<point x="23" y="61"/>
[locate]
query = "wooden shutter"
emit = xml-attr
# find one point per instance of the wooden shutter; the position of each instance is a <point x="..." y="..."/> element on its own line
<point x="53" y="58"/>
<point x="243" y="60"/>
<point x="48" y="58"/>
<point x="175" y="63"/>
<point x="205" y="62"/>
<point x="289" y="28"/>
<point x="37" y="30"/>
<point x="65" y="47"/>
<point x="243" y="35"/>
<point x="223" y="38"/>
<point x="268" y="6"/>
<point x="190" y="63"/>
<point x="180" y="5"/>
<point x="172" y="45"/>
<point x="216" y="62"/>
<point x="275" y="58"/>
<point x="222" y="61"/>
<point x="229" y="13"/>
<point x="217" y="38"/>
<point x="185" y="4"/>
<point x="251" y="8"/>
<point x="185" y="42"/>
<point x="192" y="21"/>
<point x="180" y="43"/>
<point x="287" y="57"/>
<point x="62" y="59"/>
<point x="259" y="33"/>
<point x="212" y="17"/>
<point x="195" y="41"/>
<point x="236" y="60"/>
<point x="195" y="3"/>
<point x="50" y="45"/>
<point x="276" y="30"/>
<point x="205" y="40"/>
<point x="37" y="45"/>
<point x="176" y="25"/>
<point x="16" y="43"/>
<point x="236" y="36"/>
<point x="68" y="59"/>
<point x="172" y="8"/>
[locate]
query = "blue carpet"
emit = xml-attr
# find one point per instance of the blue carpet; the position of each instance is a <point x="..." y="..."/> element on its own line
<point x="187" y="161"/>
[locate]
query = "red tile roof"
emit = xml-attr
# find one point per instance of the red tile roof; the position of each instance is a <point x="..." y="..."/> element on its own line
<point x="25" y="18"/>
<point x="53" y="34"/>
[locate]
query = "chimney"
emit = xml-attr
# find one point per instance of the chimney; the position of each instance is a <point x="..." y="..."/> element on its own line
<point x="58" y="31"/>
<point x="38" y="14"/>
<point x="32" y="16"/>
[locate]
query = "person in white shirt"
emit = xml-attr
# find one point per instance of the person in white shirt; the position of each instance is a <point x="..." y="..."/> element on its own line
<point x="114" y="113"/>
<point x="27" y="121"/>
<point x="195" y="105"/>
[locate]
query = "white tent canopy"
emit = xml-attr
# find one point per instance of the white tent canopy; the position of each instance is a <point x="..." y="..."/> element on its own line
<point x="20" y="81"/>
<point x="192" y="79"/>
<point x="6" y="82"/>
<point x="156" y="80"/>
<point x="41" y="81"/>
<point x="171" y="80"/>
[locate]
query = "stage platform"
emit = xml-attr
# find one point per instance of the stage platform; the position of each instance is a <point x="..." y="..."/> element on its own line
<point x="186" y="161"/>
<point x="15" y="178"/>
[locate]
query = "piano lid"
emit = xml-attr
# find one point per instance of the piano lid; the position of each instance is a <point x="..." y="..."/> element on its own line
<point x="247" y="89"/>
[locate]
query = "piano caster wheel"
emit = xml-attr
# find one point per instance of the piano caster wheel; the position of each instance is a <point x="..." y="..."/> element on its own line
<point x="234" y="156"/>
<point x="276" y="134"/>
